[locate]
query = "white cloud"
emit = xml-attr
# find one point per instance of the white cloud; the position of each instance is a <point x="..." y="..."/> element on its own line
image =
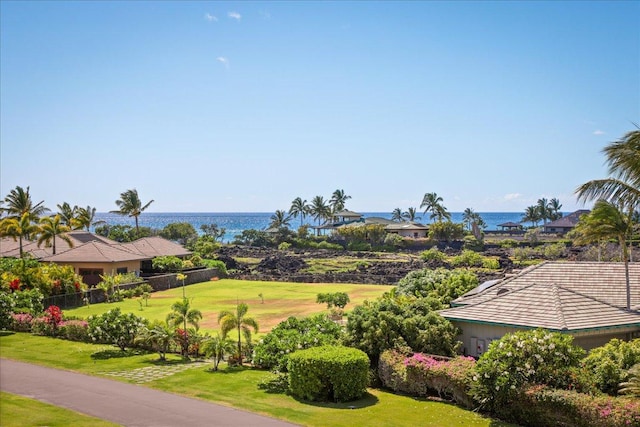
<point x="223" y="60"/>
<point x="234" y="15"/>
<point x="512" y="196"/>
<point x="209" y="17"/>
<point x="598" y="132"/>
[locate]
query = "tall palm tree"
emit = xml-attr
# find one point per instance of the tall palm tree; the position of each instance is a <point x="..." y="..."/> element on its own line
<point x="228" y="320"/>
<point x="396" y="215"/>
<point x="623" y="186"/>
<point x="279" y="219"/>
<point x="18" y="229"/>
<point x="338" y="200"/>
<point x="68" y="214"/>
<point x="182" y="314"/>
<point x="19" y="202"/>
<point x="607" y="221"/>
<point x="431" y="202"/>
<point x="543" y="209"/>
<point x="467" y="217"/>
<point x="532" y="215"/>
<point x="632" y="385"/>
<point x="50" y="228"/>
<point x="319" y="209"/>
<point x="130" y="205"/>
<point x="555" y="206"/>
<point x="300" y="208"/>
<point x="411" y="214"/>
<point x="85" y="218"/>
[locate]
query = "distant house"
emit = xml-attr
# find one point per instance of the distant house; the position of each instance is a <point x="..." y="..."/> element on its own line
<point x="510" y="226"/>
<point x="92" y="255"/>
<point x="410" y="229"/>
<point x="584" y="299"/>
<point x="339" y="219"/>
<point x="564" y="224"/>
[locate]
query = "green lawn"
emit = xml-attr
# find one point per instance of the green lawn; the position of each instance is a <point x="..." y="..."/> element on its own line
<point x="18" y="411"/>
<point x="281" y="300"/>
<point x="238" y="387"/>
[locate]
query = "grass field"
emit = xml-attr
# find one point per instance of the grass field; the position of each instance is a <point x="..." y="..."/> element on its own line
<point x="281" y="300"/>
<point x="236" y="387"/>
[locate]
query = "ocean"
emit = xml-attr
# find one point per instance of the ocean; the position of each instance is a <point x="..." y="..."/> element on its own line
<point x="236" y="222"/>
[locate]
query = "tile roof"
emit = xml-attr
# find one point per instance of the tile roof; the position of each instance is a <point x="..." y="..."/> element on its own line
<point x="567" y="221"/>
<point x="96" y="251"/>
<point x="155" y="246"/>
<point x="407" y="225"/>
<point x="548" y="306"/>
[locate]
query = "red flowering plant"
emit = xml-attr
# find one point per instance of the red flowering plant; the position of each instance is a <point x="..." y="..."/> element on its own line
<point x="14" y="285"/>
<point x="53" y="317"/>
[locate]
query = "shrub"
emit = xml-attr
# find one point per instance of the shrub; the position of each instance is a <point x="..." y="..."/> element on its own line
<point x="553" y="250"/>
<point x="433" y="254"/>
<point x="524" y="358"/>
<point x="167" y="263"/>
<point x="21" y="322"/>
<point x="75" y="330"/>
<point x="272" y="351"/>
<point x="441" y="284"/>
<point x="446" y="231"/>
<point x="509" y="243"/>
<point x="524" y="253"/>
<point x="491" y="263"/>
<point x="359" y="246"/>
<point x="611" y="362"/>
<point x="473" y="244"/>
<point x="28" y="301"/>
<point x="394" y="240"/>
<point x="6" y="308"/>
<point x="328" y="373"/>
<point x="338" y="299"/>
<point x="467" y="259"/>
<point x="115" y="327"/>
<point x="217" y="264"/>
<point x="332" y="246"/>
<point x="284" y="246"/>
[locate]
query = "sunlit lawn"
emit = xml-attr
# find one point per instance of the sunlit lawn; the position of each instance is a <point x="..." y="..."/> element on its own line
<point x="239" y="387"/>
<point x="279" y="300"/>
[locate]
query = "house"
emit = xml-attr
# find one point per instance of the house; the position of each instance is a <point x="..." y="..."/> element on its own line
<point x="584" y="299"/>
<point x="510" y="226"/>
<point x="410" y="229"/>
<point x="564" y="224"/>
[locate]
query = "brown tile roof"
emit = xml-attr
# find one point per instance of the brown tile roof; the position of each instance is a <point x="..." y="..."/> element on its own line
<point x="155" y="246"/>
<point x="9" y="248"/>
<point x="95" y="251"/>
<point x="79" y="237"/>
<point x="604" y="281"/>
<point x="567" y="221"/>
<point x="547" y="306"/>
<point x="407" y="225"/>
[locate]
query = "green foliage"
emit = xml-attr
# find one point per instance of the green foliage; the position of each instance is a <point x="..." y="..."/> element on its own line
<point x="124" y="233"/>
<point x="395" y="240"/>
<point x="553" y="251"/>
<point x="611" y="362"/>
<point x="632" y="385"/>
<point x="217" y="264"/>
<point x="204" y="246"/>
<point x="272" y="351"/>
<point x="213" y="231"/>
<point x="394" y="321"/>
<point x="6" y="308"/>
<point x="439" y="284"/>
<point x="446" y="231"/>
<point x="373" y="234"/>
<point x="181" y="232"/>
<point x="284" y="246"/>
<point x="335" y="299"/>
<point x="532" y="235"/>
<point x="167" y="263"/>
<point x="216" y="348"/>
<point x="28" y="301"/>
<point x="433" y="254"/>
<point x="525" y="358"/>
<point x="253" y="238"/>
<point x="467" y="259"/>
<point x="328" y="373"/>
<point x="525" y="253"/>
<point x="115" y="327"/>
<point x="473" y="244"/>
<point x="74" y="330"/>
<point x="359" y="246"/>
<point x="509" y="243"/>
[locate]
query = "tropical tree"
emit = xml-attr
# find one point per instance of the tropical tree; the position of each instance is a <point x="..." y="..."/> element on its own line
<point x="216" y="347"/>
<point x="68" y="215"/>
<point x="300" y="208"/>
<point x="532" y="215"/>
<point x="50" y="228"/>
<point x="607" y="221"/>
<point x="85" y="218"/>
<point x="431" y="202"/>
<point x="469" y="218"/>
<point x="280" y="219"/>
<point x="18" y="202"/>
<point x="319" y="209"/>
<point x="181" y="315"/>
<point x="228" y="321"/>
<point x="544" y="210"/>
<point x="623" y="186"/>
<point x="555" y="206"/>
<point x="130" y="205"/>
<point x="338" y="200"/>
<point x="396" y="215"/>
<point x="632" y="386"/>
<point x="18" y="229"/>
<point x="411" y="214"/>
<point x="159" y="335"/>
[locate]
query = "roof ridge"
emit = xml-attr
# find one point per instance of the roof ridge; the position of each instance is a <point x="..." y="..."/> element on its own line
<point x="558" y="305"/>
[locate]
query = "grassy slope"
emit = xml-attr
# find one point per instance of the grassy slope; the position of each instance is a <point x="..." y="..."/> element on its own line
<point x="281" y="300"/>
<point x="17" y="411"/>
<point x="238" y="387"/>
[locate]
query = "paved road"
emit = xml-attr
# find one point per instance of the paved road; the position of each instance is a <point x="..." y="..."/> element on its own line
<point x="125" y="404"/>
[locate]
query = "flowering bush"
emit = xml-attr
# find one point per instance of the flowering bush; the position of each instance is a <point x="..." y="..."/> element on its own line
<point x="6" y="308"/>
<point x="28" y="301"/>
<point x="611" y="363"/>
<point x="522" y="358"/>
<point x="21" y="322"/>
<point x="115" y="327"/>
<point x="74" y="330"/>
<point x="272" y="352"/>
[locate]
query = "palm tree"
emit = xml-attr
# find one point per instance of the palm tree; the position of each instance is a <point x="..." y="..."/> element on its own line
<point x="532" y="215"/>
<point x="555" y="206"/>
<point x="632" y="385"/>
<point x="607" y="221"/>
<point x="130" y="205"/>
<point x="543" y="209"/>
<point x="160" y="336"/>
<point x="396" y="215"/>
<point x="411" y="215"/>
<point x="68" y="215"/>
<point x="338" y="200"/>
<point x="19" y="202"/>
<point x="300" y="208"/>
<point x="467" y="217"/>
<point x="182" y="314"/>
<point x="228" y="320"/>
<point x="279" y="219"/>
<point x="319" y="209"/>
<point x="18" y="229"/>
<point x="50" y="228"/>
<point x="216" y="347"/>
<point x="431" y="202"/>
<point x="623" y="186"/>
<point x="85" y="218"/>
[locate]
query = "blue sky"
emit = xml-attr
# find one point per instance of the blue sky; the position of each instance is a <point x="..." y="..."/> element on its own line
<point x="244" y="106"/>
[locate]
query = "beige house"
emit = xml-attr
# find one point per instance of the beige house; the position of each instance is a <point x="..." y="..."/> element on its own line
<point x="414" y="230"/>
<point x="584" y="299"/>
